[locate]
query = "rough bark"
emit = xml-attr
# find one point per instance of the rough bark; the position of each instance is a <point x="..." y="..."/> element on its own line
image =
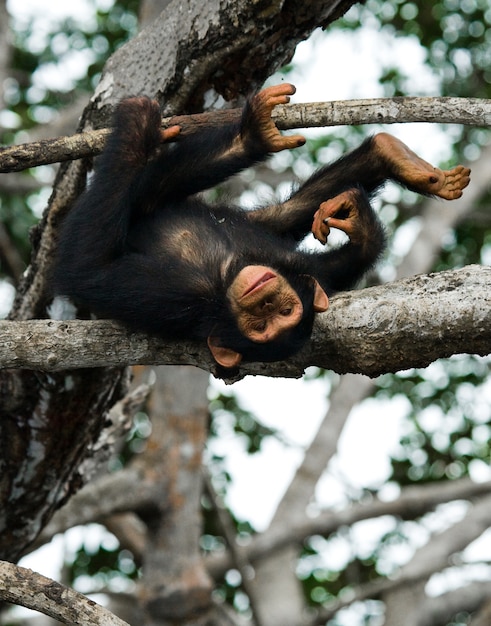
<point x="469" y="111"/>
<point x="408" y="323"/>
<point x="432" y="313"/>
<point x="149" y="10"/>
<point x="26" y="588"/>
<point x="230" y="49"/>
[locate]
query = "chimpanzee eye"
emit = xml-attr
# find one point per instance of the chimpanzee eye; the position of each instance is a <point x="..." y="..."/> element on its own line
<point x="260" y="326"/>
<point x="287" y="311"/>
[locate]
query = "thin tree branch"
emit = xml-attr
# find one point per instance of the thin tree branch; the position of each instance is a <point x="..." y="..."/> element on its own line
<point x="435" y="555"/>
<point x="239" y="554"/>
<point x="469" y="111"/>
<point x="413" y="502"/>
<point x="431" y="558"/>
<point x="438" y="611"/>
<point x="23" y="586"/>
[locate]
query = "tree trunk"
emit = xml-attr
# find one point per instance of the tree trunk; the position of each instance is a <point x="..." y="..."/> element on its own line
<point x="176" y="587"/>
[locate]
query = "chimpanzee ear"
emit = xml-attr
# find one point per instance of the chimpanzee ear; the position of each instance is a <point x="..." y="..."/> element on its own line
<point x="321" y="301"/>
<point x="226" y="357"/>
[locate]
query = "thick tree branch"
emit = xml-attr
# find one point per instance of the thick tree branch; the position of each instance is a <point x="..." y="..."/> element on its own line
<point x="22" y="586"/>
<point x="469" y="111"/>
<point x="117" y="492"/>
<point x="408" y="323"/>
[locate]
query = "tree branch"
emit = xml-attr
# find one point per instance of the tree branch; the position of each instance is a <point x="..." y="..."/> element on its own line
<point x="469" y="111"/>
<point x="117" y="492"/>
<point x="439" y="610"/>
<point x="23" y="586"/>
<point x="435" y="554"/>
<point x="431" y="316"/>
<point x="413" y="502"/>
<point x="237" y="552"/>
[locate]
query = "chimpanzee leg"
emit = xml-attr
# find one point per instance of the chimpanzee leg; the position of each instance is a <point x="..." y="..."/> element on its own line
<point x="376" y="160"/>
<point x="359" y="169"/>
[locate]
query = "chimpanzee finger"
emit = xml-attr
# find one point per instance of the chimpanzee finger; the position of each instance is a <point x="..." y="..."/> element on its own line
<point x="280" y="92"/>
<point x="266" y="100"/>
<point x="345" y="225"/>
<point x="321" y="227"/>
<point x="168" y="134"/>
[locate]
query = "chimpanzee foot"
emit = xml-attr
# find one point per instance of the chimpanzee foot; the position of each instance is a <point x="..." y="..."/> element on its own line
<point x="417" y="174"/>
<point x="262" y="105"/>
<point x="455" y="180"/>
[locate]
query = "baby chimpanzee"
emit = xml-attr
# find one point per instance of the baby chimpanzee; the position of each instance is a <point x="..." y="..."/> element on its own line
<point x="142" y="247"/>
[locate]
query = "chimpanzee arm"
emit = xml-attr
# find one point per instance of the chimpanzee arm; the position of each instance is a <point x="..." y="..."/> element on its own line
<point x="96" y="227"/>
<point x="94" y="233"/>
<point x="211" y="155"/>
<point x="342" y="268"/>
<point x="360" y="168"/>
<point x="338" y="196"/>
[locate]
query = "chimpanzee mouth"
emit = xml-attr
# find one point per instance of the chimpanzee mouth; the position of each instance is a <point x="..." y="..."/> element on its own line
<point x="259" y="284"/>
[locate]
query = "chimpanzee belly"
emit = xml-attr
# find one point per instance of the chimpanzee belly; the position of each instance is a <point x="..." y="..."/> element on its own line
<point x="188" y="238"/>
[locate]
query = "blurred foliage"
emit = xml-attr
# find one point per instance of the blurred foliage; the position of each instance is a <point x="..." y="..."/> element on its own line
<point x="448" y="430"/>
<point x="455" y="34"/>
<point x="101" y="568"/>
<point x="41" y="55"/>
<point x="228" y="415"/>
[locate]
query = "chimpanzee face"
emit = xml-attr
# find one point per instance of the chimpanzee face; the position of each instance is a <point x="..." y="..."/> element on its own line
<point x="266" y="309"/>
<point x="264" y="303"/>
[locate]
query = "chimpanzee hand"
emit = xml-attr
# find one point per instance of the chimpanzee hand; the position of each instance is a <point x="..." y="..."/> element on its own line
<point x="346" y="212"/>
<point x="258" y="129"/>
